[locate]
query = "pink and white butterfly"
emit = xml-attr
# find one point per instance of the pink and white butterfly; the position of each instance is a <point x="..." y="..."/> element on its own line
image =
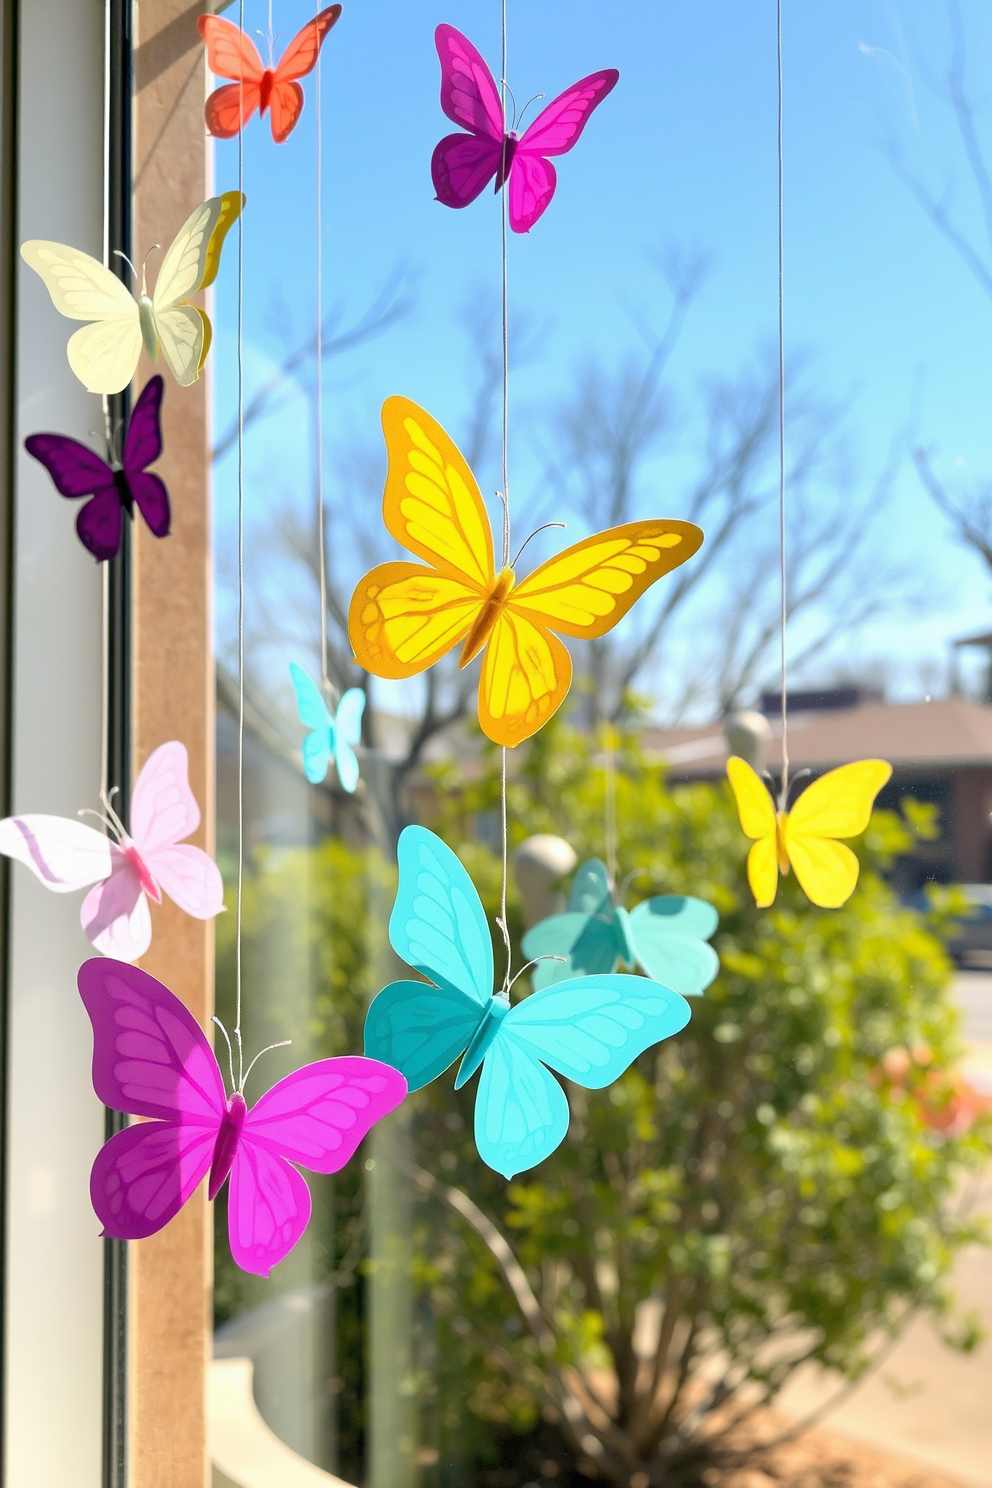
<point x="127" y="868"/>
<point x="152" y="1059"/>
<point x="463" y="164"/>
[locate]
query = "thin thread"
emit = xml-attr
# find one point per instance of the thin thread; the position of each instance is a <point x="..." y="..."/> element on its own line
<point x="105" y="681"/>
<point x="784" y="794"/>
<point x="241" y="564"/>
<point x="506" y="484"/>
<point x="320" y="384"/>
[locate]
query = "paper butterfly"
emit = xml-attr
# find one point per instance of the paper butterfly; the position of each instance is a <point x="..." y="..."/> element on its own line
<point x="405" y="617"/>
<point x="332" y="738"/>
<point x="150" y="1058"/>
<point x="113" y="489"/>
<point x="588" y="1029"/>
<point x="104" y="355"/>
<point x="665" y="936"/>
<point x="837" y="805"/>
<point x="151" y="860"/>
<point x="463" y="164"/>
<point x="231" y="54"/>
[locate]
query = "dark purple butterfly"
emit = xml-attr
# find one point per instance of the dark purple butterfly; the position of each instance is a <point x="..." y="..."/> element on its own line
<point x="113" y="490"/>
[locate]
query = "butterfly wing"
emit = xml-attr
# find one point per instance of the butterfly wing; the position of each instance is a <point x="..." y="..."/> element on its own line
<point x="114" y="915"/>
<point x="420" y="1029"/>
<point x="555" y="130"/>
<point x="404" y="617"/>
<point x="757" y="816"/>
<point x="163" y="808"/>
<point x="314" y="714"/>
<point x="103" y="356"/>
<point x="438" y="927"/>
<point x="590" y="888"/>
<point x="152" y="500"/>
<point x="230" y="54"/>
<point x="286" y="98"/>
<point x="143" y="441"/>
<point x="837" y="805"/>
<point x="150" y="1056"/>
<point x="462" y="166"/>
<point x="143" y="1176"/>
<point x="525" y="677"/>
<point x="77" y="471"/>
<point x="670" y="934"/>
<point x="62" y="854"/>
<point x="585" y="943"/>
<point x="316" y="1116"/>
<point x="190" y="265"/>
<point x="469" y="96"/>
<point x="521" y="1112"/>
<point x="348" y="733"/>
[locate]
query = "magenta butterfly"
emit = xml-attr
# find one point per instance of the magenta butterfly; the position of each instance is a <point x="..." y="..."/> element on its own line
<point x="151" y="1058"/>
<point x="463" y="164"/>
<point x="77" y="471"/>
<point x="137" y="866"/>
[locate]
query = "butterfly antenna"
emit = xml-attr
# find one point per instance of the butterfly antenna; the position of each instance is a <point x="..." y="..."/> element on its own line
<point x="119" y="254"/>
<point x="637" y="873"/>
<point x="506" y="527"/>
<point x="230" y="1052"/>
<point x="798" y="776"/>
<point x="104" y="820"/>
<point x="529" y="965"/>
<point x="153" y="249"/>
<point x="282" y="1044"/>
<point x="108" y="806"/>
<point x="517" y="123"/>
<point x="526" y="540"/>
<point x="509" y="90"/>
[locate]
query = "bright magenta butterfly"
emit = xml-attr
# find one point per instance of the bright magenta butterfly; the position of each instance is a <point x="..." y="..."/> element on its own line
<point x="464" y="164"/>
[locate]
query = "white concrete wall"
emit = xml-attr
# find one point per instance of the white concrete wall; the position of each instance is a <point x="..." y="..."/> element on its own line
<point x="55" y="1266"/>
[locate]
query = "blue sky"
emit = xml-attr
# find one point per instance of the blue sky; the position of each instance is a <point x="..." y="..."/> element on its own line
<point x="682" y="153"/>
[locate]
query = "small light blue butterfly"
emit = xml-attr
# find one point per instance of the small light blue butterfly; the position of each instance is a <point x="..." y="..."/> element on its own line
<point x="588" y="1029"/>
<point x="665" y="936"/>
<point x="332" y="737"/>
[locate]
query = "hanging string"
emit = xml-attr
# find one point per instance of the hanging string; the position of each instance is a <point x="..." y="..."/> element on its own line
<point x="241" y="562"/>
<point x="783" y="617"/>
<point x="505" y="494"/>
<point x="319" y="387"/>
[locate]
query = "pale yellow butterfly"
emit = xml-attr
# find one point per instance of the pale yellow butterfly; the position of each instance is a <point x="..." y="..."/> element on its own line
<point x="104" y="355"/>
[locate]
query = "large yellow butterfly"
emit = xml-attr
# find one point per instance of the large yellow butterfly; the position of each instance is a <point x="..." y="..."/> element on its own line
<point x="105" y="355"/>
<point x="837" y="805"/>
<point x="404" y="617"/>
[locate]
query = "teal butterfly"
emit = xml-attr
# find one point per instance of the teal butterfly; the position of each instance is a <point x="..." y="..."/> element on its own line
<point x="332" y="738"/>
<point x="665" y="936"/>
<point x="588" y="1030"/>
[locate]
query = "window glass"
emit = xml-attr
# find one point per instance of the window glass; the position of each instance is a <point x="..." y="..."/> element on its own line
<point x="736" y="1225"/>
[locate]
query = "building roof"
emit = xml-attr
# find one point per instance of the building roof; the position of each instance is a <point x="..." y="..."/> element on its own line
<point x="948" y="731"/>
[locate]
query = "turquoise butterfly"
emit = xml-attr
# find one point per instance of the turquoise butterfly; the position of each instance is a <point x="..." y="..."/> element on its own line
<point x="588" y="1030"/>
<point x="665" y="936"/>
<point x="332" y="738"/>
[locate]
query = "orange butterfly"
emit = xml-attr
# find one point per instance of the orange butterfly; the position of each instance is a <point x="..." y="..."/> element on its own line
<point x="404" y="617"/>
<point x="230" y="54"/>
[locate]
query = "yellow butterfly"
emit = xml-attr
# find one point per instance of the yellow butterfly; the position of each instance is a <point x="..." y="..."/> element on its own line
<point x="837" y="805"/>
<point x="105" y="355"/>
<point x="404" y="617"/>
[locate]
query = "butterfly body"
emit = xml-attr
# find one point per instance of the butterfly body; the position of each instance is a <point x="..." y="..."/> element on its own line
<point x="104" y="355"/>
<point x="404" y="617"/>
<point x="587" y="1029"/>
<point x="463" y="164"/>
<point x="665" y="936"/>
<point x="114" y="489"/>
<point x="272" y="90"/>
<point x="152" y="1059"/>
<point x="836" y="805"/>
